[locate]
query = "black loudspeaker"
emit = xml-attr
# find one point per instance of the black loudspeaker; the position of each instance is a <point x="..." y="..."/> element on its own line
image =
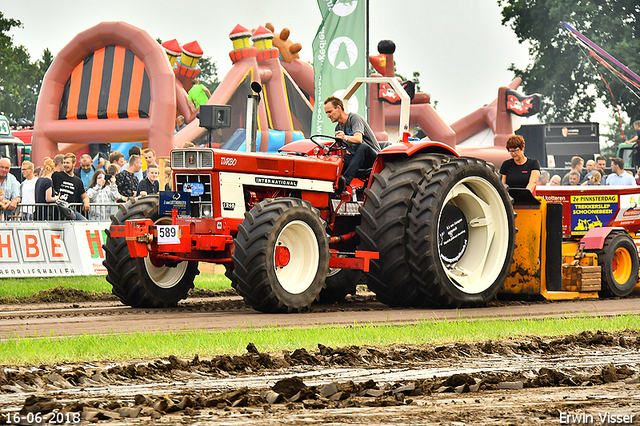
<point x="215" y="116"/>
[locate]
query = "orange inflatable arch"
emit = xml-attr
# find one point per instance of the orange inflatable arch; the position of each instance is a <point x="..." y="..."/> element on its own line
<point x="111" y="83"/>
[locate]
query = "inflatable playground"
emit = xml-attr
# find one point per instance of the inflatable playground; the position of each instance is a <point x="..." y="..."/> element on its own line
<point x="113" y="83"/>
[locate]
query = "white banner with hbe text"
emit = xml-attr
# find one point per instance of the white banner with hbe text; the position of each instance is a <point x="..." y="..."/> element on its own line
<point x="52" y="249"/>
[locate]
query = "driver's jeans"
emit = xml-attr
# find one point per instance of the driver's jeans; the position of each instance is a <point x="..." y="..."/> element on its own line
<point x="363" y="158"/>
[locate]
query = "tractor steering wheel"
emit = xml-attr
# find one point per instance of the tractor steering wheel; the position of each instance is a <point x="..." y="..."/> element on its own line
<point x="336" y="141"/>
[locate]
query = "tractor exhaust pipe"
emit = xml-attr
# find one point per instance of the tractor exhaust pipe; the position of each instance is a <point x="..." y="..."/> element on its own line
<point x="252" y="116"/>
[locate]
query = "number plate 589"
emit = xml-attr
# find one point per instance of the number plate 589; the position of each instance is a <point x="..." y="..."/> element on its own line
<point x="168" y="234"/>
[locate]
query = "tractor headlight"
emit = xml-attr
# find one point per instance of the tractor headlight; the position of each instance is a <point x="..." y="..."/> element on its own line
<point x="206" y="211"/>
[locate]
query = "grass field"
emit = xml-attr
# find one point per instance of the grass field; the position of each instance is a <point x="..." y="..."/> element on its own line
<point x="22" y="288"/>
<point x="188" y="343"/>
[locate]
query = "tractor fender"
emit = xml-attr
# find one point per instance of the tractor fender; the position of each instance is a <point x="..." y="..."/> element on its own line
<point x="594" y="238"/>
<point x="410" y="148"/>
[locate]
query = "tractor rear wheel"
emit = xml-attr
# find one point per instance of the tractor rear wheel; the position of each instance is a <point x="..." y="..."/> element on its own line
<point x="281" y="256"/>
<point x="461" y="232"/>
<point x="145" y="282"/>
<point x="618" y="260"/>
<point x="384" y="229"/>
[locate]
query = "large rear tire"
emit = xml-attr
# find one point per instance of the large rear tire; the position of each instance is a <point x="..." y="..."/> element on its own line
<point x="618" y="261"/>
<point x="281" y="256"/>
<point x="461" y="233"/>
<point x="384" y="229"/>
<point x="139" y="282"/>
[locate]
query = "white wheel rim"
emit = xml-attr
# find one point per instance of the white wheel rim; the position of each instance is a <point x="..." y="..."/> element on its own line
<point x="298" y="275"/>
<point x="488" y="237"/>
<point x="163" y="276"/>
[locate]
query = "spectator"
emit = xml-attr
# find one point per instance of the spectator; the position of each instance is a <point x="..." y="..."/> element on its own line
<point x="544" y="178"/>
<point x="58" y="160"/>
<point x="168" y="174"/>
<point x="198" y="95"/>
<point x="134" y="150"/>
<point x="126" y="180"/>
<point x="85" y="171"/>
<point x="618" y="176"/>
<point x="576" y="166"/>
<point x="3" y="205"/>
<point x="634" y="140"/>
<point x="150" y="157"/>
<point x="69" y="186"/>
<point x="188" y="144"/>
<point x="601" y="165"/>
<point x="180" y="124"/>
<point x="44" y="192"/>
<point x="113" y="169"/>
<point x="150" y="184"/>
<point x="590" y="166"/>
<point x="116" y="157"/>
<point x="9" y="185"/>
<point x="36" y="171"/>
<point x="99" y="162"/>
<point x="574" y="178"/>
<point x="519" y="171"/>
<point x="555" y="180"/>
<point x="102" y="191"/>
<point x="28" y="190"/>
<point x="595" y="178"/>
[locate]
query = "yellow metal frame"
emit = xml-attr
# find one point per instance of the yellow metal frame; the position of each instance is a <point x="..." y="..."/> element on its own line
<point x="528" y="271"/>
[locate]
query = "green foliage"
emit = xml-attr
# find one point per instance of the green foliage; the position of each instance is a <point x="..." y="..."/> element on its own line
<point x="20" y="79"/>
<point x="560" y="71"/>
<point x="208" y="73"/>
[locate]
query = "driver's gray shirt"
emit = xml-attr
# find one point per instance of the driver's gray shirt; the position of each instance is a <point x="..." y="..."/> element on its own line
<point x="357" y="124"/>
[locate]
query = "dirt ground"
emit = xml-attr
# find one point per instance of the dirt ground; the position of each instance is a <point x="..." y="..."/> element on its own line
<point x="588" y="378"/>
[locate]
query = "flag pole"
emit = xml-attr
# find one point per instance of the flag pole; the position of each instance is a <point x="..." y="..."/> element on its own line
<point x="366" y="56"/>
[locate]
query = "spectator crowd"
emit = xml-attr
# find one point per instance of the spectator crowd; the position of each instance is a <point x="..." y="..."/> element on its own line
<point x="58" y="190"/>
<point x="592" y="173"/>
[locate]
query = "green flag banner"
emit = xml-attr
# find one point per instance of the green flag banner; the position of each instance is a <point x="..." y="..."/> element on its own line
<point x="339" y="57"/>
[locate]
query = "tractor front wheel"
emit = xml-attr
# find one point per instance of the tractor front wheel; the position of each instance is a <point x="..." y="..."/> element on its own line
<point x="144" y="282"/>
<point x="281" y="256"/>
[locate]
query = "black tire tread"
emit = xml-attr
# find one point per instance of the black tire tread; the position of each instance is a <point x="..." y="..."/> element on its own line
<point x="123" y="271"/>
<point x="423" y="216"/>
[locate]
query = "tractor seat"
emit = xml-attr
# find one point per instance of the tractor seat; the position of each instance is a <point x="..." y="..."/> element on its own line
<point x="363" y="173"/>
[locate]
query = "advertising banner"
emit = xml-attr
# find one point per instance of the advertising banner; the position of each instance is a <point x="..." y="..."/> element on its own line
<point x="592" y="211"/>
<point x="339" y="57"/>
<point x="52" y="249"/>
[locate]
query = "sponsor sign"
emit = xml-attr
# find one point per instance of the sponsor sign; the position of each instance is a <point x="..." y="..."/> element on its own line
<point x="592" y="211"/>
<point x="51" y="249"/>
<point x="170" y="200"/>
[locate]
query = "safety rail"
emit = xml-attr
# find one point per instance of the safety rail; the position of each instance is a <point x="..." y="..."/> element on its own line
<point x="51" y="212"/>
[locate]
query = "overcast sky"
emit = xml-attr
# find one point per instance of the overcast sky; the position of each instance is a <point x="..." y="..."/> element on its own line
<point x="459" y="46"/>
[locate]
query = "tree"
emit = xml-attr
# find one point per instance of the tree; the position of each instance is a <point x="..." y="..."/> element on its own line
<point x="560" y="71"/>
<point x="208" y="73"/>
<point x="20" y="79"/>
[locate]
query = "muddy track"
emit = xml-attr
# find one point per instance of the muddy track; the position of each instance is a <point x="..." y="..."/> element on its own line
<point x="227" y="310"/>
<point x="524" y="381"/>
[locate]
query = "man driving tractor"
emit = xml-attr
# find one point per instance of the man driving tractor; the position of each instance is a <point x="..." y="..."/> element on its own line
<point x="353" y="129"/>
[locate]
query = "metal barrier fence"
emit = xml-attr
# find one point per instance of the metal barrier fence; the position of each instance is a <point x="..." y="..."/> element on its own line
<point x="51" y="212"/>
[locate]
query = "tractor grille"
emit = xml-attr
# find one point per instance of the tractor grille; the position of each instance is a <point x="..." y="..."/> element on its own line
<point x="201" y="205"/>
<point x="347" y="209"/>
<point x="192" y="159"/>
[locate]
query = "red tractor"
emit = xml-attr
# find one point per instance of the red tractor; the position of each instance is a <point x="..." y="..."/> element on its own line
<point x="428" y="228"/>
